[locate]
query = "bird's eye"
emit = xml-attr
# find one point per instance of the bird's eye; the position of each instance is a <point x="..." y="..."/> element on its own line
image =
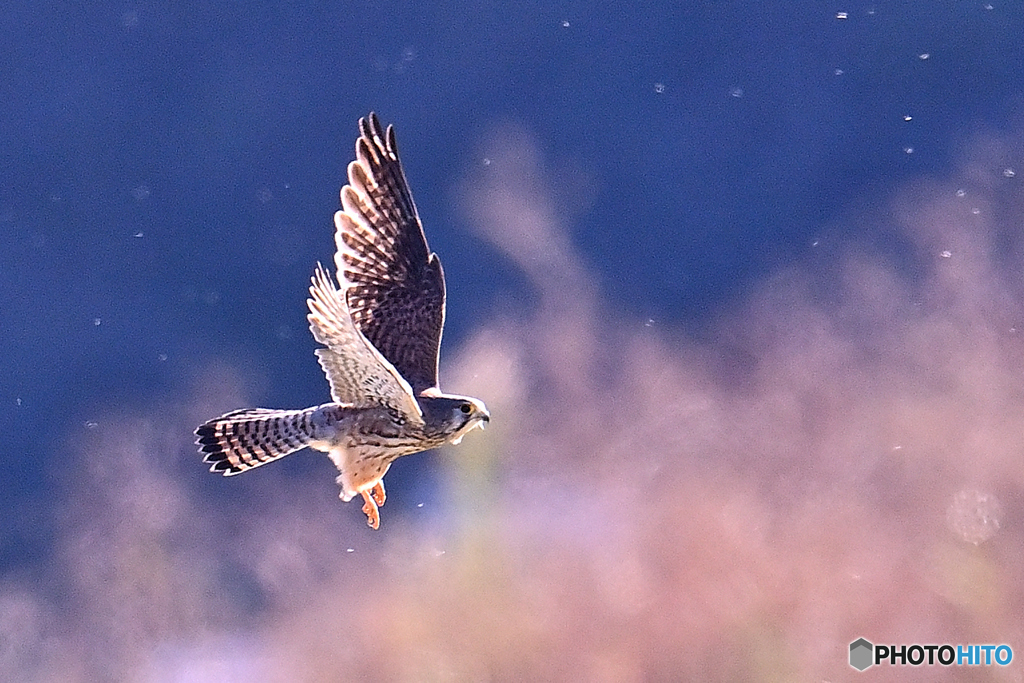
<point x="465" y="408"/>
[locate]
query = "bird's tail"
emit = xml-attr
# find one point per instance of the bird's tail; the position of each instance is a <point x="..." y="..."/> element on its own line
<point x="243" y="439"/>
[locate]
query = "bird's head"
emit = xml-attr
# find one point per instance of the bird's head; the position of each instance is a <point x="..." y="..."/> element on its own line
<point x="454" y="416"/>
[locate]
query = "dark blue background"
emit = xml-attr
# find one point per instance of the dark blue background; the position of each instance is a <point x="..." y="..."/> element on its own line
<point x="170" y="169"/>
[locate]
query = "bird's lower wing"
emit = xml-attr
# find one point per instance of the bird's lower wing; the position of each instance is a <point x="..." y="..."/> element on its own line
<point x="358" y="374"/>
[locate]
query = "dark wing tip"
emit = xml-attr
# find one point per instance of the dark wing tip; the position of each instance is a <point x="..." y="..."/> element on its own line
<point x="371" y="130"/>
<point x="392" y="142"/>
<point x="369" y="126"/>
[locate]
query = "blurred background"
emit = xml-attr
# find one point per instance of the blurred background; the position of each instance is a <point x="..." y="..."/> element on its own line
<point x="740" y="282"/>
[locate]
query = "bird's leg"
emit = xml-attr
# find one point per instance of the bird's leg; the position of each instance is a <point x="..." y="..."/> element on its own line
<point x="378" y="492"/>
<point x="370" y="508"/>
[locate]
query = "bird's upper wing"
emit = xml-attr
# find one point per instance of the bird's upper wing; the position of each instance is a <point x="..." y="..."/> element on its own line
<point x="358" y="374"/>
<point x="394" y="285"/>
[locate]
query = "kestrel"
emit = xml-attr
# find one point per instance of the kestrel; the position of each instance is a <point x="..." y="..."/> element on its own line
<point x="381" y="332"/>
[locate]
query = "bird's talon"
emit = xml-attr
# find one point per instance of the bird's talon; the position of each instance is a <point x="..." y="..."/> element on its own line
<point x="378" y="492"/>
<point x="372" y="513"/>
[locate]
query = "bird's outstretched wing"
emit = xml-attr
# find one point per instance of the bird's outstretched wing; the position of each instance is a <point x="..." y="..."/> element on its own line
<point x="357" y="372"/>
<point x="393" y="284"/>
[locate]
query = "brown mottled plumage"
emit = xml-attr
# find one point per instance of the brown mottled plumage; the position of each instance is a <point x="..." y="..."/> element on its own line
<point x="381" y="331"/>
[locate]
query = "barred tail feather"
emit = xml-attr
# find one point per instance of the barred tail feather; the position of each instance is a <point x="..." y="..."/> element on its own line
<point x="243" y="439"/>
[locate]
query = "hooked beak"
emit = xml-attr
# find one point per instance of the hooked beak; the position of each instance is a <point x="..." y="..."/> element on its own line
<point x="480" y="419"/>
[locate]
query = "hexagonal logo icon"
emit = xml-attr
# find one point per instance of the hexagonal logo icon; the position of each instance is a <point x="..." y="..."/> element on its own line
<point x="861" y="654"/>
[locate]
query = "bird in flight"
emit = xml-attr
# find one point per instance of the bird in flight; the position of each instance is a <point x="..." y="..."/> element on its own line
<point x="380" y="327"/>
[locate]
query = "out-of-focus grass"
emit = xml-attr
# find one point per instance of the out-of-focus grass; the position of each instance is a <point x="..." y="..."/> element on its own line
<point x="641" y="509"/>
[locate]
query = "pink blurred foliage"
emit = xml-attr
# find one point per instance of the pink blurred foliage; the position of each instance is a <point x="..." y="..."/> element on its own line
<point x="644" y="506"/>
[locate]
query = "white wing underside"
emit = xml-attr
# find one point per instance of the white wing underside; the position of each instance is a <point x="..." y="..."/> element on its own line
<point x="358" y="374"/>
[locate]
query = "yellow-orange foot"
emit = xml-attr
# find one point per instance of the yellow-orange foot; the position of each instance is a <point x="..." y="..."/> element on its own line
<point x="378" y="492"/>
<point x="372" y="513"/>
